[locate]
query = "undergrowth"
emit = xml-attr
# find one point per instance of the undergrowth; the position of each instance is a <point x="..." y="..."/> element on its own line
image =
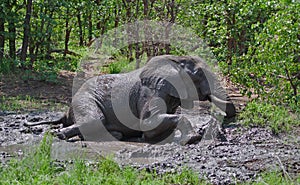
<point x="26" y="103"/>
<point x="277" y="117"/>
<point x="122" y="65"/>
<point x="275" y="177"/>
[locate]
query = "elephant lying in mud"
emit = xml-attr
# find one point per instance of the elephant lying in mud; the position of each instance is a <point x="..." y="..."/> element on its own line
<point x="142" y="103"/>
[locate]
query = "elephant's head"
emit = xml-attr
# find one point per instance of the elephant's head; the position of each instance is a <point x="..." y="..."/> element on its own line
<point x="187" y="78"/>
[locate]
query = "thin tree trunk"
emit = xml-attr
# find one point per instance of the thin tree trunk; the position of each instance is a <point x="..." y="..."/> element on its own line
<point x="98" y="25"/>
<point x="90" y="26"/>
<point x="80" y="27"/>
<point x="32" y="51"/>
<point x="127" y="6"/>
<point x="26" y="30"/>
<point x="12" y="31"/>
<point x="231" y="41"/>
<point x="68" y="33"/>
<point x="172" y="12"/>
<point x="40" y="39"/>
<point x="117" y="19"/>
<point x="2" y="38"/>
<point x="49" y="29"/>
<point x="137" y="40"/>
<point x="148" y="38"/>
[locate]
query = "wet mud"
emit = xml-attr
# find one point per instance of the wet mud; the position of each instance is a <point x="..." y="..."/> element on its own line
<point x="241" y="157"/>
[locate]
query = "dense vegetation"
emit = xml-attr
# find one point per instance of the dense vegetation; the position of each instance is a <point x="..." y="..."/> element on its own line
<point x="256" y="42"/>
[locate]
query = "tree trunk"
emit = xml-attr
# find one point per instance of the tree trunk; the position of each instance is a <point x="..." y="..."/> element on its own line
<point x="171" y="11"/>
<point x="147" y="42"/>
<point x="98" y="25"/>
<point x="26" y="30"/>
<point x="90" y="26"/>
<point x="12" y="31"/>
<point x="68" y="33"/>
<point x="117" y="19"/>
<point x="40" y="39"/>
<point x="2" y="38"/>
<point x="137" y="40"/>
<point x="80" y="27"/>
<point x="12" y="41"/>
<point x="49" y="28"/>
<point x="231" y="41"/>
<point x="127" y="6"/>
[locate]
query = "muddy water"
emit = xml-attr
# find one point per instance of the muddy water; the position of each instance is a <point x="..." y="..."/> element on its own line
<point x="246" y="152"/>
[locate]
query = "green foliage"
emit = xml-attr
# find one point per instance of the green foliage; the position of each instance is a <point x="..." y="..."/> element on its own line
<point x="38" y="168"/>
<point x="6" y="66"/>
<point x="271" y="66"/>
<point x="121" y="65"/>
<point x="117" y="66"/>
<point x="276" y="117"/>
<point x="275" y="177"/>
<point x="33" y="169"/>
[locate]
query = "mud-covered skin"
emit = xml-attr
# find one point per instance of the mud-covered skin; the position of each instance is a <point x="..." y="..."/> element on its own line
<point x="142" y="103"/>
<point x="247" y="152"/>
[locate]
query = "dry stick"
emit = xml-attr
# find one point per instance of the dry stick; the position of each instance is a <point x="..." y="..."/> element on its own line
<point x="290" y="80"/>
<point x="261" y="180"/>
<point x="282" y="167"/>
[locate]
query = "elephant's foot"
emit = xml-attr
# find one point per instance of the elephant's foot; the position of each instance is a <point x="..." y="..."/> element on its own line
<point x="156" y="136"/>
<point x="68" y="133"/>
<point x="117" y="135"/>
<point x="190" y="138"/>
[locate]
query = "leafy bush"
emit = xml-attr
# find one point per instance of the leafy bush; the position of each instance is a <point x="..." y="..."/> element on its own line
<point x="7" y="66"/>
<point x="272" y="65"/>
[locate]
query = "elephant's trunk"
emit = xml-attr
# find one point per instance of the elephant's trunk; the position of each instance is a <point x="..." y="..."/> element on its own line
<point x="224" y="105"/>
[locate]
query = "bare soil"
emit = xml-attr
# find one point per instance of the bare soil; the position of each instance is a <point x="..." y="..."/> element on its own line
<point x="22" y="84"/>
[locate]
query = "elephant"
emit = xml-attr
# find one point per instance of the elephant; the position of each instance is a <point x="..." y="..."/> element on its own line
<point x="142" y="103"/>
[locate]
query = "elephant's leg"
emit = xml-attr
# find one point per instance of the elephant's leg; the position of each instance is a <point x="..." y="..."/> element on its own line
<point x="158" y="128"/>
<point x="90" y="122"/>
<point x="167" y="125"/>
<point x="69" y="132"/>
<point x="158" y="125"/>
<point x="188" y="134"/>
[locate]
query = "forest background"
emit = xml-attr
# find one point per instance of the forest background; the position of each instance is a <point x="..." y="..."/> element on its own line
<point x="256" y="42"/>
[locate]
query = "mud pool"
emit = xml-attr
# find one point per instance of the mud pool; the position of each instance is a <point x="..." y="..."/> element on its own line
<point x="246" y="152"/>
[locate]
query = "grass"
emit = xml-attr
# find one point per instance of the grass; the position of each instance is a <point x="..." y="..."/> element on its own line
<point x="278" y="118"/>
<point x="275" y="177"/>
<point x="122" y="65"/>
<point x="38" y="168"/>
<point x="26" y="103"/>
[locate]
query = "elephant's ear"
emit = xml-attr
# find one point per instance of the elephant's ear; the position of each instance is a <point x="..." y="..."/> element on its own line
<point x="166" y="76"/>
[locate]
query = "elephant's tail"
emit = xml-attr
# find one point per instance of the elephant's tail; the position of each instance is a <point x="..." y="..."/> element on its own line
<point x="61" y="120"/>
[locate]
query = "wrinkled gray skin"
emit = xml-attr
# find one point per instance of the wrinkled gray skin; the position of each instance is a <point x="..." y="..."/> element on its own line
<point x="141" y="104"/>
